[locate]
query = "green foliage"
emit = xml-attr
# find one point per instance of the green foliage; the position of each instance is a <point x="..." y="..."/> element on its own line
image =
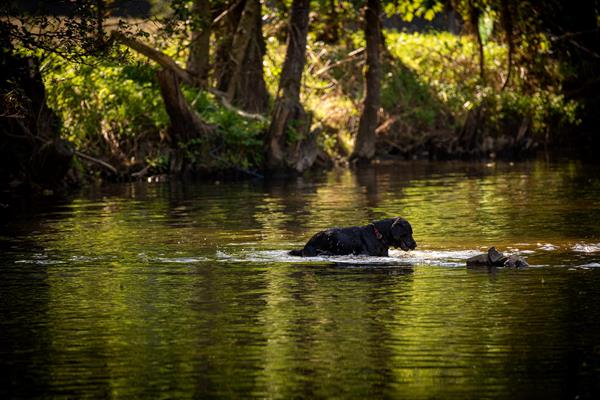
<point x="116" y="110"/>
<point x="105" y="99"/>
<point x="403" y="95"/>
<point x="409" y="9"/>
<point x="446" y="67"/>
<point x="236" y="142"/>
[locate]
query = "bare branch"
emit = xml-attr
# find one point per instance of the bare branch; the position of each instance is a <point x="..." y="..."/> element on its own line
<point x="222" y="96"/>
<point x="224" y="13"/>
<point x="96" y="160"/>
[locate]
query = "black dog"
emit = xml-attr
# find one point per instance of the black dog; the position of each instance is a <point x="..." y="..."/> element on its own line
<point x="373" y="240"/>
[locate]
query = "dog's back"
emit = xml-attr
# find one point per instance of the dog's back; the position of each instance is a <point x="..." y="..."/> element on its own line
<point x="373" y="239"/>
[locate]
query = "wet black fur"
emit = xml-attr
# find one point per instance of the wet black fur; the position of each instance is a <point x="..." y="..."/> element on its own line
<point x="394" y="232"/>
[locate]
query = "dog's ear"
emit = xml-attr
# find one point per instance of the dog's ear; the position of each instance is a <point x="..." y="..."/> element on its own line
<point x="399" y="228"/>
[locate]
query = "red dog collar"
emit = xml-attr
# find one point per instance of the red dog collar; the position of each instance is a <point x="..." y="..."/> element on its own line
<point x="378" y="234"/>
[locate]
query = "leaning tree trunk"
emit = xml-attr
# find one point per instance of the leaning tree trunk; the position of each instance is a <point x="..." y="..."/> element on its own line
<point x="240" y="58"/>
<point x="364" y="147"/>
<point x="198" y="58"/>
<point x="185" y="123"/>
<point x="289" y="117"/>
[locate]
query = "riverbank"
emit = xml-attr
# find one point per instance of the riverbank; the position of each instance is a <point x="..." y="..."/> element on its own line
<point x="433" y="106"/>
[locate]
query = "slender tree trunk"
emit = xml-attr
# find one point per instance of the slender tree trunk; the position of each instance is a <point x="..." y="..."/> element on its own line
<point x="240" y="58"/>
<point x="474" y="14"/>
<point x="224" y="38"/>
<point x="241" y="42"/>
<point x="330" y="33"/>
<point x="289" y="117"/>
<point x="198" y="59"/>
<point x="333" y="23"/>
<point x="100" y="9"/>
<point x="364" y="147"/>
<point x="507" y="24"/>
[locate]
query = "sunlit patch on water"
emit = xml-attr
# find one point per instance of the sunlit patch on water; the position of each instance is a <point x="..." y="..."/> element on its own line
<point x="39" y="259"/>
<point x="447" y="258"/>
<point x="589" y="265"/>
<point x="83" y="258"/>
<point x="179" y="260"/>
<point x="172" y="259"/>
<point x="586" y="248"/>
<point x="547" y="247"/>
<point x="279" y="256"/>
<point x="450" y="258"/>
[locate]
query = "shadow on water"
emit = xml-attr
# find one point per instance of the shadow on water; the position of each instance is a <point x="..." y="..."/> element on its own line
<point x="187" y="290"/>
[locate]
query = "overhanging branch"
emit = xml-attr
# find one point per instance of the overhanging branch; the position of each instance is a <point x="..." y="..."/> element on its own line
<point x="159" y="57"/>
<point x="167" y="63"/>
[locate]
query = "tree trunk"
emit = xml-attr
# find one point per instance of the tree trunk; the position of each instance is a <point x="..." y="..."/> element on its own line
<point x="32" y="154"/>
<point x="331" y="24"/>
<point x="198" y="59"/>
<point x="474" y="14"/>
<point x="364" y="147"/>
<point x="289" y="117"/>
<point x="224" y="37"/>
<point x="185" y="123"/>
<point x="507" y="25"/>
<point x="240" y="58"/>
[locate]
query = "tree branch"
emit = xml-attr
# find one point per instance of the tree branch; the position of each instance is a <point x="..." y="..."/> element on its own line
<point x="222" y="96"/>
<point x="224" y="13"/>
<point x="349" y="57"/>
<point x="97" y="161"/>
<point x="167" y="63"/>
<point x="159" y="57"/>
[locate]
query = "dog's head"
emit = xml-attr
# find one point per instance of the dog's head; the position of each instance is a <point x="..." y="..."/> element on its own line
<point x="401" y="234"/>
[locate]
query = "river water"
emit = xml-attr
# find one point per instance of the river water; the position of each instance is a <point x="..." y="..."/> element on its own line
<point x="185" y="290"/>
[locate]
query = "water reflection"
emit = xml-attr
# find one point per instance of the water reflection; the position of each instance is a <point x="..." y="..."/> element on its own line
<point x="186" y="290"/>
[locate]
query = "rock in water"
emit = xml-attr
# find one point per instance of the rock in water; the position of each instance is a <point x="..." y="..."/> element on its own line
<point x="478" y="260"/>
<point x="515" y="262"/>
<point x="493" y="258"/>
